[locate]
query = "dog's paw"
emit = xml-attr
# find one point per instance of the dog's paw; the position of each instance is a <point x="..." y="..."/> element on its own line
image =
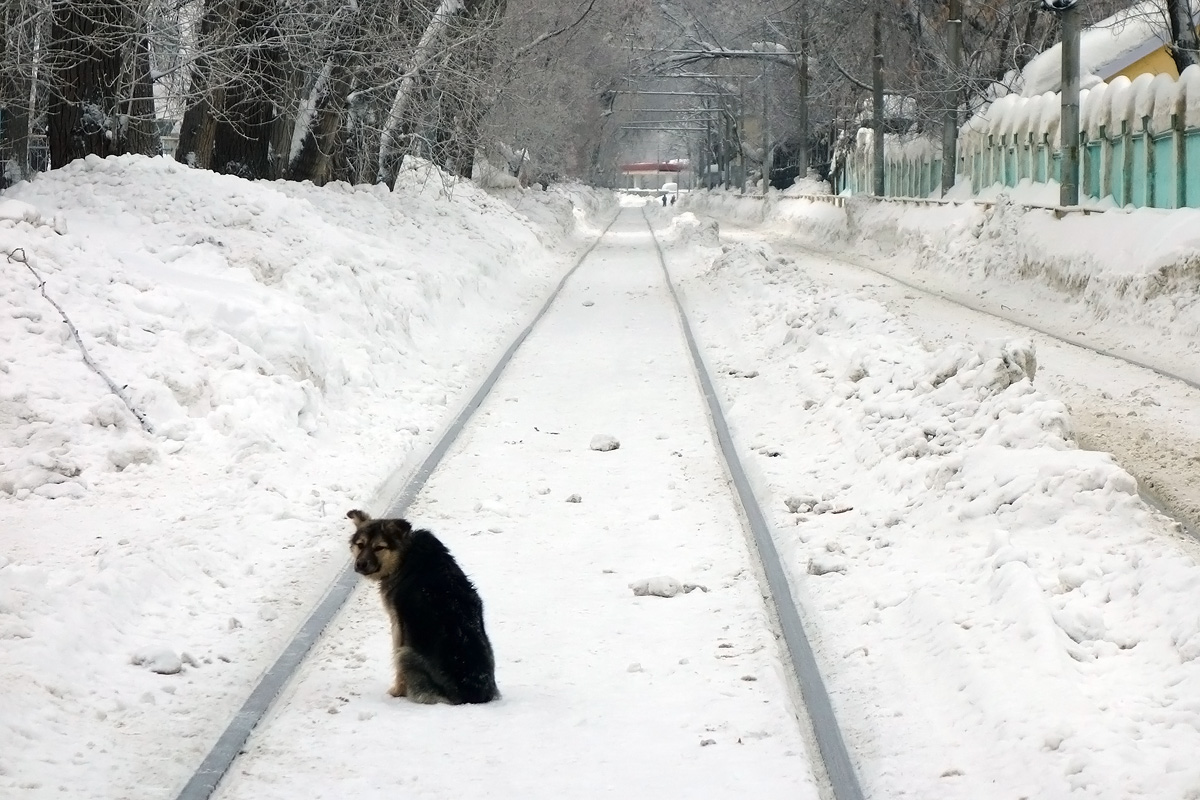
<point x="428" y="698"/>
<point x="398" y="690"/>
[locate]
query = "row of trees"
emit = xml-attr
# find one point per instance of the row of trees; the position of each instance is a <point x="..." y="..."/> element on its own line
<point x="299" y="89"/>
<point x="345" y="89"/>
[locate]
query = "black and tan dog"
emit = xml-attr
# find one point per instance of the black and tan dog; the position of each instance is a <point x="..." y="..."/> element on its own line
<point x="441" y="650"/>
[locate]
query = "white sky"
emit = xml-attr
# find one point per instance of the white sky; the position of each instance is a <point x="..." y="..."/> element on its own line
<point x="997" y="612"/>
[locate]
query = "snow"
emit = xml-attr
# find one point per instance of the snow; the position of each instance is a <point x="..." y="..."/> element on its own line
<point x="1104" y="48"/>
<point x="1000" y="614"/>
<point x="605" y="693"/>
<point x="995" y="609"/>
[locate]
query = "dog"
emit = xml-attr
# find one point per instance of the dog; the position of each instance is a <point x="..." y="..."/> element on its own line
<point x="440" y="649"/>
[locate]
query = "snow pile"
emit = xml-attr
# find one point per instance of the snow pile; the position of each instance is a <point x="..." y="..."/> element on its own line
<point x="808" y="184"/>
<point x="291" y="347"/>
<point x="686" y="229"/>
<point x="983" y="589"/>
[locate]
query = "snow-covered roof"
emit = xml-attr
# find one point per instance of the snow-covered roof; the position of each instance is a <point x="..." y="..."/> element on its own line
<point x="1105" y="49"/>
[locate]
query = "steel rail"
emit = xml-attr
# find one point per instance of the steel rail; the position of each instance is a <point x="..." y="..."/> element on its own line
<point x="843" y="780"/>
<point x="212" y="769"/>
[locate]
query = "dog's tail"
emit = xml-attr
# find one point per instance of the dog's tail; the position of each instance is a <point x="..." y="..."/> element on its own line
<point x="360" y="517"/>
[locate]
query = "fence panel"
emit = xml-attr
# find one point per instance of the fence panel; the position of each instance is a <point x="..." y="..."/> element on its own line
<point x="1138" y="161"/>
<point x="1191" y="150"/>
<point x="1163" y="195"/>
<point x="1117" y="173"/>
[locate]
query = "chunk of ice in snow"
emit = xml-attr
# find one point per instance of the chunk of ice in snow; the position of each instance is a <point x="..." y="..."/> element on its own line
<point x="158" y="659"/>
<point x="603" y="442"/>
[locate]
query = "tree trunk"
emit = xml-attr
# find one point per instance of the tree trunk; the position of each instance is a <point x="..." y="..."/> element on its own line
<point x="314" y="160"/>
<point x="198" y="129"/>
<point x="15" y="89"/>
<point x="142" y="130"/>
<point x="85" y="51"/>
<point x="474" y="49"/>
<point x="244" y="131"/>
<point x="325" y="132"/>
<point x="1184" y="47"/>
<point x="231" y="124"/>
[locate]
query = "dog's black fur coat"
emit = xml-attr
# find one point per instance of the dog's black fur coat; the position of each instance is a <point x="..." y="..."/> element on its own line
<point x="442" y="650"/>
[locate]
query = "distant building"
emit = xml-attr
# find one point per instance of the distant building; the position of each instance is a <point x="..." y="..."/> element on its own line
<point x="651" y="174"/>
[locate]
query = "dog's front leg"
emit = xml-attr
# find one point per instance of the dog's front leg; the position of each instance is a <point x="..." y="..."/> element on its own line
<point x="400" y="687"/>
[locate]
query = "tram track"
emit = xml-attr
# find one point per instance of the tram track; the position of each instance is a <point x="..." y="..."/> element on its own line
<point x="832" y="772"/>
<point x="228" y="746"/>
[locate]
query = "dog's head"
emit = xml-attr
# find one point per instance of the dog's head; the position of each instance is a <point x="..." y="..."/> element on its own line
<point x="378" y="545"/>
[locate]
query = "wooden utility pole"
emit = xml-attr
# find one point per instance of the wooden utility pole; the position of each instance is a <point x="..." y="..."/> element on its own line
<point x="741" y="129"/>
<point x="1069" y="129"/>
<point x="802" y="79"/>
<point x="766" y="134"/>
<point x="950" y="125"/>
<point x="877" y="98"/>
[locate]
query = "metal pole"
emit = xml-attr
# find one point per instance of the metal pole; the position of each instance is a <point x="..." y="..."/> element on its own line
<point x="877" y="98"/>
<point x="950" y="126"/>
<point x="1069" y="129"/>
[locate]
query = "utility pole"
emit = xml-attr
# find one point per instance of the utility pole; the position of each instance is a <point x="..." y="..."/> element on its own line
<point x="950" y="126"/>
<point x="877" y="98"/>
<point x="766" y="135"/>
<point x="728" y="137"/>
<point x="741" y="129"/>
<point x="802" y="78"/>
<point x="1069" y="129"/>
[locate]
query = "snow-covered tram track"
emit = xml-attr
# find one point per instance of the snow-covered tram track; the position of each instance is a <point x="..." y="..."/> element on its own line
<point x="1148" y="431"/>
<point x="604" y="694"/>
<point x="836" y="763"/>
<point x="208" y="775"/>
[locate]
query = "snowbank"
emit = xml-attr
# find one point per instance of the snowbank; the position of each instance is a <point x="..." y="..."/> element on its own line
<point x="1138" y="269"/>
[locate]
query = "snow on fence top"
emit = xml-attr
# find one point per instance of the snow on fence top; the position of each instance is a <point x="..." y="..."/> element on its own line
<point x="1153" y="100"/>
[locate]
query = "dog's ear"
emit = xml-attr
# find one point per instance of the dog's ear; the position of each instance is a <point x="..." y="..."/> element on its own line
<point x="360" y="518"/>
<point x="398" y="528"/>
